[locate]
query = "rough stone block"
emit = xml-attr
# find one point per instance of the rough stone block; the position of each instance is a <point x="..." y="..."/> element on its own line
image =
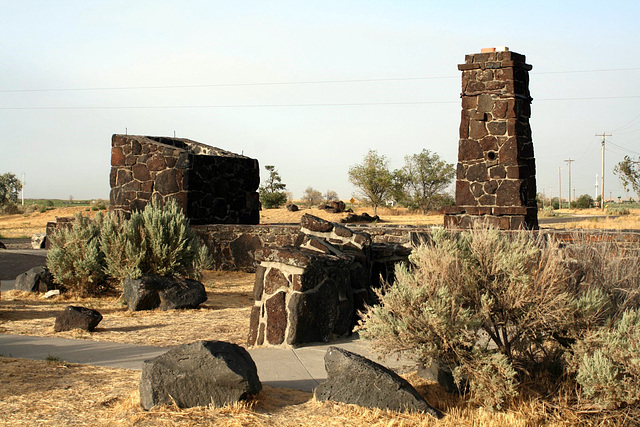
<point x="356" y="380"/>
<point x="77" y="318"/>
<point x="199" y="374"/>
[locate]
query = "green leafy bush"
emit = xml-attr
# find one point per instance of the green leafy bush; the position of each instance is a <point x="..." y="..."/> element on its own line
<point x="499" y="310"/>
<point x="107" y="250"/>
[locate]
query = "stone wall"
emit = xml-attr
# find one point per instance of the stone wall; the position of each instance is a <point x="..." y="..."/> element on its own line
<point x="211" y="185"/>
<point x="311" y="291"/>
<point x="234" y="246"/>
<point x="495" y="180"/>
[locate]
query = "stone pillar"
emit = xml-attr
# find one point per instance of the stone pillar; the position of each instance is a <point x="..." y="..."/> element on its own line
<point x="496" y="167"/>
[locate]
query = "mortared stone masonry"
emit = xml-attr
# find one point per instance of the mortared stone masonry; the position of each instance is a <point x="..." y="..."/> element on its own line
<point x="495" y="180"/>
<point x="211" y="185"/>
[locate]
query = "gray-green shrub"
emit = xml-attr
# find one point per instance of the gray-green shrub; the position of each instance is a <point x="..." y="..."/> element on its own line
<point x="155" y="241"/>
<point x="607" y="363"/>
<point x="75" y="258"/>
<point x="500" y="309"/>
<point x="107" y="250"/>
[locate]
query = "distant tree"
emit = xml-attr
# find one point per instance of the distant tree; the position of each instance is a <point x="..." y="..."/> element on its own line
<point x="423" y="177"/>
<point x="312" y="197"/>
<point x="272" y="193"/>
<point x="9" y="188"/>
<point x="330" y="196"/>
<point x="584" y="202"/>
<point x="628" y="171"/>
<point x="372" y="178"/>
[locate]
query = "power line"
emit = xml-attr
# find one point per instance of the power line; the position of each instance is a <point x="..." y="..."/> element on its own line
<point x="337" y="104"/>
<point x="301" y="82"/>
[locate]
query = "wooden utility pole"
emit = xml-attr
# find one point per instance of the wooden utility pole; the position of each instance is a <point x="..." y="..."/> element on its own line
<point x="604" y="135"/>
<point x="569" y="163"/>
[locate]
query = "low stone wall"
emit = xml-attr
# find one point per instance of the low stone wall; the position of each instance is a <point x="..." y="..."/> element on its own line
<point x="234" y="246"/>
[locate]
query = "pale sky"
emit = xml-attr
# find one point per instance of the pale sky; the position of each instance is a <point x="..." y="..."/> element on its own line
<point x="72" y="73"/>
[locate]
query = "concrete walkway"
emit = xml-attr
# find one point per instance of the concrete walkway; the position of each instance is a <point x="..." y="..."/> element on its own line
<point x="301" y="368"/>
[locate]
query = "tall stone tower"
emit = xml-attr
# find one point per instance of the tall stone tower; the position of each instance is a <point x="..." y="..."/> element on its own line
<point x="496" y="175"/>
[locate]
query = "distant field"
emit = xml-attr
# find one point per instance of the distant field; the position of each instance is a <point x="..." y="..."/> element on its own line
<point x="25" y="225"/>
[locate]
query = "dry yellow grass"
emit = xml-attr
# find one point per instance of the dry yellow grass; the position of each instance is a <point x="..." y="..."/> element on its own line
<point x="60" y="394"/>
<point x="387" y="216"/>
<point x="26" y="225"/>
<point x="224" y="316"/>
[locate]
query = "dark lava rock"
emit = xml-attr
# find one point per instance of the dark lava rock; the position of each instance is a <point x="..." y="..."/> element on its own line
<point x="199" y="374"/>
<point x="356" y="380"/>
<point x="166" y="293"/>
<point x="77" y="318"/>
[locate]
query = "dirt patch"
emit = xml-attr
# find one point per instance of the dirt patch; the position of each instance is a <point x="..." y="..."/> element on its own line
<point x="224" y="316"/>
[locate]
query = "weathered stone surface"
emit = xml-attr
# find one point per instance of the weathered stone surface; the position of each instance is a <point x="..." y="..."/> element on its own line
<point x="313" y="223"/>
<point x="469" y="149"/>
<point x="165" y="293"/>
<point x="313" y="314"/>
<point x="356" y="380"/>
<point x="77" y="318"/>
<point x="274" y="280"/>
<point x="478" y="173"/>
<point x="37" y="279"/>
<point x="276" y="318"/>
<point x="199" y="374"/>
<point x="243" y="249"/>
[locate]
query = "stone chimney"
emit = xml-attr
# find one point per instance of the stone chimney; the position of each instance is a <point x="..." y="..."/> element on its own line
<point x="495" y="179"/>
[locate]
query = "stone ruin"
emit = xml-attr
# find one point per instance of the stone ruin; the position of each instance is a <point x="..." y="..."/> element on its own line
<point x="211" y="185"/>
<point x="496" y="168"/>
<point x="312" y="291"/>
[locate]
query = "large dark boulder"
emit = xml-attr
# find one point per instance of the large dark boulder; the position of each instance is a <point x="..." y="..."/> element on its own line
<point x="37" y="279"/>
<point x="199" y="374"/>
<point x="77" y="318"/>
<point x="166" y="293"/>
<point x="356" y="380"/>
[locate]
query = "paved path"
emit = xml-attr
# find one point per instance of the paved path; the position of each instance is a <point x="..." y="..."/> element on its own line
<point x="300" y="369"/>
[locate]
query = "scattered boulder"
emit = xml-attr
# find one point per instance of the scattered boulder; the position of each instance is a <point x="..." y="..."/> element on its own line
<point x="365" y="217"/>
<point x="2" y="246"/>
<point x="77" y="318"/>
<point x="293" y="208"/>
<point x="38" y="241"/>
<point x="37" y="279"/>
<point x="356" y="380"/>
<point x="334" y="207"/>
<point x="199" y="374"/>
<point x="166" y="293"/>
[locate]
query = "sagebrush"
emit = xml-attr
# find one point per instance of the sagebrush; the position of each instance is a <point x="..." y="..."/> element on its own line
<point x="109" y="249"/>
<point x="506" y="311"/>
